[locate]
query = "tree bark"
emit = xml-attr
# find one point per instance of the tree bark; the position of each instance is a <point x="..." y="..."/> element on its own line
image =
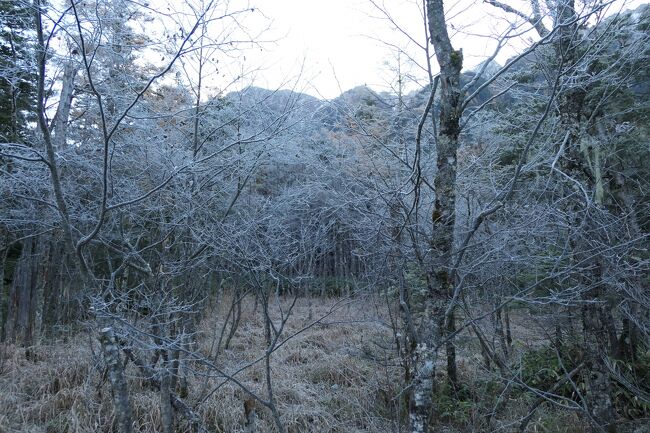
<point x="166" y="411"/>
<point x="597" y="380"/>
<point x="118" y="381"/>
<point x="595" y="309"/>
<point x="443" y="219"/>
<point x="3" y="261"/>
<point x="19" y="322"/>
<point x="178" y="404"/>
<point x="52" y="291"/>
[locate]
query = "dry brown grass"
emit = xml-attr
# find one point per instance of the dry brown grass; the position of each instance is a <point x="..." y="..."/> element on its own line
<point x="334" y="377"/>
<point x="50" y="388"/>
<point x="325" y="379"/>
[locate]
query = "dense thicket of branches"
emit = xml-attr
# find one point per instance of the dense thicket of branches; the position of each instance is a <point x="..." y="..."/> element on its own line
<point x="136" y="193"/>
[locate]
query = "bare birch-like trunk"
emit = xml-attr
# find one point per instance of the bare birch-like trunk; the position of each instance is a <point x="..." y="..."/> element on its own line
<point x="441" y="284"/>
<point x="114" y="364"/>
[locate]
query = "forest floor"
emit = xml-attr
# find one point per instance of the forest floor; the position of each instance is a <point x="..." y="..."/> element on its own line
<point x="326" y="378"/>
<point x="337" y="375"/>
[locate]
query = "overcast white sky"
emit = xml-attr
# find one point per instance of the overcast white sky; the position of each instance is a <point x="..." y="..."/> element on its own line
<point x="338" y="41"/>
<point x="330" y="46"/>
<point x="327" y="40"/>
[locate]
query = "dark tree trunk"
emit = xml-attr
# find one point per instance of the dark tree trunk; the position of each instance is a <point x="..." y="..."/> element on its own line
<point x="450" y="347"/>
<point x="498" y="329"/>
<point x="20" y="311"/>
<point x="506" y="311"/>
<point x="3" y="261"/>
<point x="166" y="410"/>
<point x="598" y="393"/>
<point x="595" y="310"/>
<point x="52" y="287"/>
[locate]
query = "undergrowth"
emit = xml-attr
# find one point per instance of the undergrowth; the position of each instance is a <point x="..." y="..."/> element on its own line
<point x="324" y="380"/>
<point x="338" y="376"/>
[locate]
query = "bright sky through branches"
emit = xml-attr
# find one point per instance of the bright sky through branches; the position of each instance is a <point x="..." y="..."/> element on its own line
<point x="319" y="47"/>
<point x="346" y="43"/>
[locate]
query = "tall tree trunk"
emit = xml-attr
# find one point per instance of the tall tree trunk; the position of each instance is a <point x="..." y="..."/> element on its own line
<point x="595" y="308"/>
<point x="441" y="284"/>
<point x="53" y="166"/>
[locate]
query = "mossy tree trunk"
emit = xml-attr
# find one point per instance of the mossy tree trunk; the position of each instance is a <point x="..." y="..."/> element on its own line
<point x="437" y="323"/>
